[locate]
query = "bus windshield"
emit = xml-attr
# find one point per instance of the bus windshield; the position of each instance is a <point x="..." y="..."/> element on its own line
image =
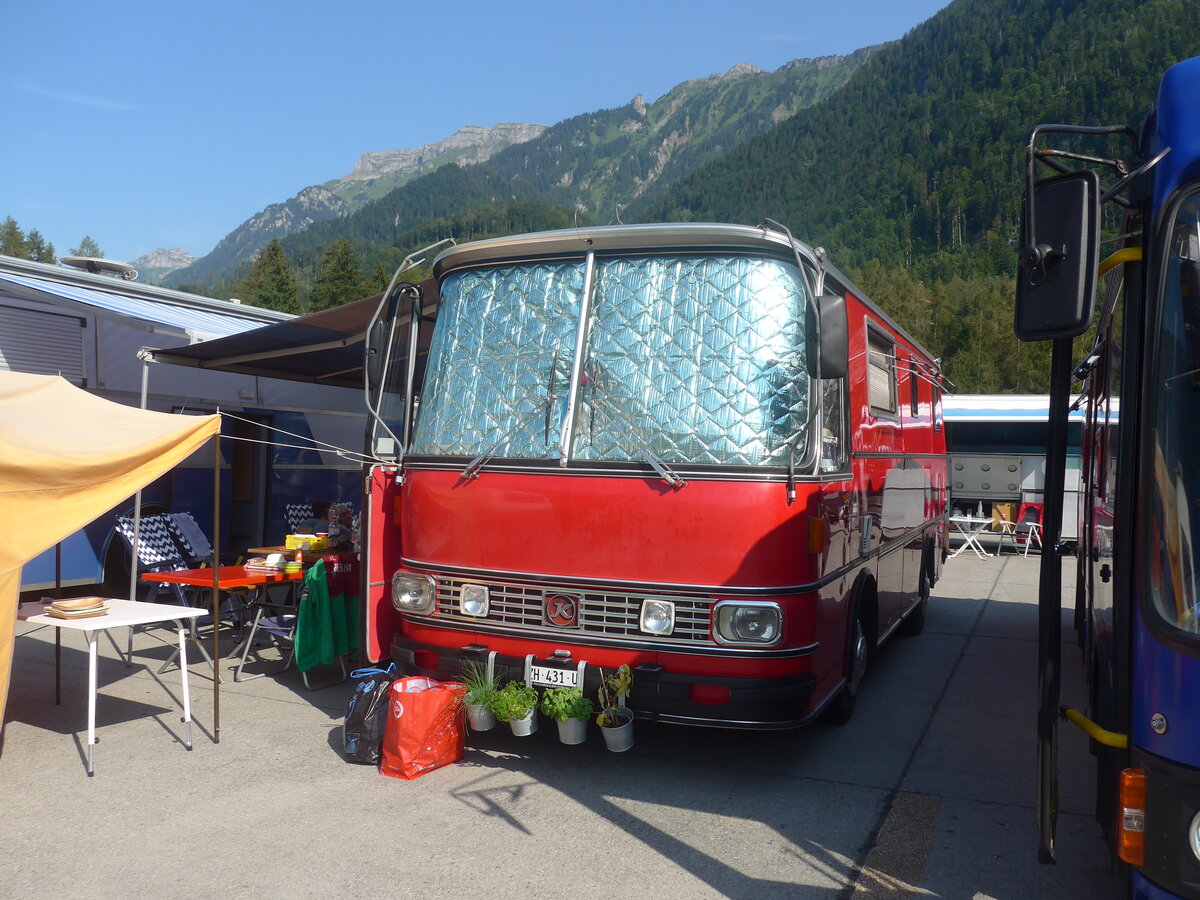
<point x="693" y="359"/>
<point x="1176" y="434"/>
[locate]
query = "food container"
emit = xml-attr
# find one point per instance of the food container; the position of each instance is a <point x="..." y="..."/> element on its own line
<point x="306" y="542"/>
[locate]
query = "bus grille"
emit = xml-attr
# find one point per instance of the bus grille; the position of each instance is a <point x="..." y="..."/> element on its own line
<point x="601" y="614"/>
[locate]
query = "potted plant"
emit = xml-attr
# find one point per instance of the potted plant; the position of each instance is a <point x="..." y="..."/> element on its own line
<point x="571" y="710"/>
<point x="615" y="720"/>
<point x="516" y="704"/>
<point x="481" y="688"/>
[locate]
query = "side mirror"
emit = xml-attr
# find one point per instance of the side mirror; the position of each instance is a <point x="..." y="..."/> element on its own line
<point x="827" y="338"/>
<point x="1056" y="282"/>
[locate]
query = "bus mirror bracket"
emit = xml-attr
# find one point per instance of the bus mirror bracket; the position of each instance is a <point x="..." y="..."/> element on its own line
<point x="827" y="336"/>
<point x="1056" y="296"/>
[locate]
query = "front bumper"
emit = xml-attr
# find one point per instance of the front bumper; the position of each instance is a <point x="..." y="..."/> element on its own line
<point x="657" y="694"/>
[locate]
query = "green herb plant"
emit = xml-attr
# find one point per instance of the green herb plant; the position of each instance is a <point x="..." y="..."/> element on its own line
<point x="562" y="703"/>
<point x="481" y="687"/>
<point x="513" y="701"/>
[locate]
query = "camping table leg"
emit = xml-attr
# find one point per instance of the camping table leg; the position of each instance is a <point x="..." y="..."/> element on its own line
<point x="183" y="673"/>
<point x="91" y="635"/>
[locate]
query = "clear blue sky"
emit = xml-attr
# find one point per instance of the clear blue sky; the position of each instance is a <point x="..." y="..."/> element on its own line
<point x="167" y="124"/>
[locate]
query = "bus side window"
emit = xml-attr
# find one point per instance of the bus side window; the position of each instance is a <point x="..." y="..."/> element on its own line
<point x="913" y="381"/>
<point x="881" y="374"/>
<point x="833" y="426"/>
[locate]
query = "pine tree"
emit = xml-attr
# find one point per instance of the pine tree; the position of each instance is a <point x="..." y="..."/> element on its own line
<point x="88" y="247"/>
<point x="339" y="280"/>
<point x="40" y="250"/>
<point x="12" y="241"/>
<point x="380" y="280"/>
<point x="270" y="282"/>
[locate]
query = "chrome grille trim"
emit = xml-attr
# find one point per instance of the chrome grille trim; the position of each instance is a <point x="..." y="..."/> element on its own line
<point x="602" y="613"/>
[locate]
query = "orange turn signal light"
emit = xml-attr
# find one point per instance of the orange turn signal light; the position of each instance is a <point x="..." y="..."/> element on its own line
<point x="1131" y="817"/>
<point x="816" y="535"/>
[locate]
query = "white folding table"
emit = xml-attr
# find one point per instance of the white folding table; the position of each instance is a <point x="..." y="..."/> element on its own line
<point x="124" y="614"/>
<point x="970" y="527"/>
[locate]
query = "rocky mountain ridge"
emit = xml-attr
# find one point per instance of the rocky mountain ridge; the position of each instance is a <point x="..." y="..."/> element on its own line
<point x="471" y="144"/>
<point x="596" y="163"/>
<point x="156" y="264"/>
<point x="374" y="175"/>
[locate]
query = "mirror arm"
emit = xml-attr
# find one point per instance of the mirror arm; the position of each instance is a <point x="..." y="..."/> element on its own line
<point x="1030" y="236"/>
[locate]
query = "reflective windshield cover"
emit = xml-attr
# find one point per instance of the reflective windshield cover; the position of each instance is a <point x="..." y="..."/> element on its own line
<point x="1176" y="436"/>
<point x="696" y="358"/>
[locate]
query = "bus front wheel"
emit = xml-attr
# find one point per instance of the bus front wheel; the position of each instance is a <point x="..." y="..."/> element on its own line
<point x="841" y="708"/>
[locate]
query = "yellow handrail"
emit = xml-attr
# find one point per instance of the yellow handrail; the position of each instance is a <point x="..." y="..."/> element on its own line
<point x="1094" y="731"/>
<point x="1128" y="254"/>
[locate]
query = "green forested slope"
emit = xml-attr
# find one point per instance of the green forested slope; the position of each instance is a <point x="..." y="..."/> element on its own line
<point x="921" y="151"/>
<point x="596" y="163"/>
<point x="911" y="175"/>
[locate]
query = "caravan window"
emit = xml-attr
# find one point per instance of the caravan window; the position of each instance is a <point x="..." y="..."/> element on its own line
<point x="881" y="373"/>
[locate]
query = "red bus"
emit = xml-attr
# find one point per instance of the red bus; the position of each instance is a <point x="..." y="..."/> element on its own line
<point x="696" y="449"/>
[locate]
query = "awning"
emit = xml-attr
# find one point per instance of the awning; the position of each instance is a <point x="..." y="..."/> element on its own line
<point x="195" y="324"/>
<point x="324" y="347"/>
<point x="66" y="457"/>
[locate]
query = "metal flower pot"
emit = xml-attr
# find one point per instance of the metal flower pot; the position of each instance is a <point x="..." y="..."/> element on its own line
<point x="619" y="738"/>
<point x="480" y="717"/>
<point x="572" y="731"/>
<point x="525" y="726"/>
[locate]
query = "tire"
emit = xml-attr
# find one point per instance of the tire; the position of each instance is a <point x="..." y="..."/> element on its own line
<point x="841" y="708"/>
<point x="914" y="622"/>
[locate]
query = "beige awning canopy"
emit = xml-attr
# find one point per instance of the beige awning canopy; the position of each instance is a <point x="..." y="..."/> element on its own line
<point x="67" y="457"/>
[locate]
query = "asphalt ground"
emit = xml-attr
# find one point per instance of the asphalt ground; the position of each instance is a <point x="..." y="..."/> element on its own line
<point x="927" y="792"/>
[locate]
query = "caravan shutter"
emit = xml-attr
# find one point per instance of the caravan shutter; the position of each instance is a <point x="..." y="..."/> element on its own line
<point x="42" y="343"/>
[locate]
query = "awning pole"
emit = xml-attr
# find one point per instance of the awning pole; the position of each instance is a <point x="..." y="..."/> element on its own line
<point x="137" y="505"/>
<point x="216" y="591"/>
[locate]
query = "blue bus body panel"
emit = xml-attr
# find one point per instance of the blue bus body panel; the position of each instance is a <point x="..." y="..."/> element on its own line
<point x="1177" y="125"/>
<point x="1165" y="682"/>
<point x="1147" y="890"/>
<point x="80" y="562"/>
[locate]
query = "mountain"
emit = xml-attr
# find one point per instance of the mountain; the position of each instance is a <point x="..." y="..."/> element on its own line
<point x="595" y="164"/>
<point x="912" y="174"/>
<point x="153" y="266"/>
<point x="920" y="154"/>
<point x="375" y="175"/>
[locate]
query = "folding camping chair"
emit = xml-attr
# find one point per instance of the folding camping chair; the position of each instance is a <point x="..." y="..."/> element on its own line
<point x="295" y="513"/>
<point x="1029" y="526"/>
<point x="157" y="552"/>
<point x="285" y="626"/>
<point x="197" y="552"/>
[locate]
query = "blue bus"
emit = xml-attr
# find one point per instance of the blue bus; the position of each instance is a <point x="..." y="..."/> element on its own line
<point x="1116" y="225"/>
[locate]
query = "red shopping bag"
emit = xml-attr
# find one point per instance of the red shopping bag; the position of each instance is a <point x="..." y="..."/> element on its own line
<point x="424" y="727"/>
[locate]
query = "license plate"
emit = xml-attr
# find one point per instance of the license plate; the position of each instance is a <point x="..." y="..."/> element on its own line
<point x="552" y="676"/>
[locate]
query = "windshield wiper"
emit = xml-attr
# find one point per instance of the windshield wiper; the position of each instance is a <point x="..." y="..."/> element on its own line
<point x="659" y="465"/>
<point x="475" y="465"/>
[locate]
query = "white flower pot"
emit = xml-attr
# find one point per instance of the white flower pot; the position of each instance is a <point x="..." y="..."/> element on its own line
<point x="572" y="731"/>
<point x="526" y="726"/>
<point x="480" y="717"/>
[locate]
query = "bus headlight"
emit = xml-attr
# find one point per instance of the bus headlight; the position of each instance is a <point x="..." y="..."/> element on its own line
<point x="473" y="600"/>
<point x="1194" y="835"/>
<point x="747" y="622"/>
<point x="658" y="617"/>
<point x="413" y="593"/>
